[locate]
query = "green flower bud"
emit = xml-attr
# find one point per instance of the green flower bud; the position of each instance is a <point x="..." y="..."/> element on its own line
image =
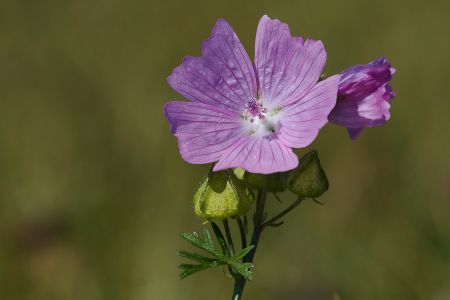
<point x="309" y="178"/>
<point x="276" y="182"/>
<point x="222" y="195"/>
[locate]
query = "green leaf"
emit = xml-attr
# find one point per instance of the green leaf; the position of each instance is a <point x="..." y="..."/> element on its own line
<point x="243" y="252"/>
<point x="218" y="259"/>
<point x="244" y="269"/>
<point x="195" y="256"/>
<point x="221" y="239"/>
<point x="209" y="243"/>
<point x="189" y="269"/>
<point x="195" y="240"/>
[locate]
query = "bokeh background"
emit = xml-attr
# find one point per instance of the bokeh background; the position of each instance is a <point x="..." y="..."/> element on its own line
<point x="93" y="192"/>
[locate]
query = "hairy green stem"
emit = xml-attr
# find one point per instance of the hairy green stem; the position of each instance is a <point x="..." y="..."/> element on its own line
<point x="258" y="221"/>
<point x="242" y="231"/>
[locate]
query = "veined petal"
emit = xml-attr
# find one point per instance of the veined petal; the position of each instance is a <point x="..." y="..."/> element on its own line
<point x="359" y="81"/>
<point x="372" y="110"/>
<point x="204" y="132"/>
<point x="258" y="155"/>
<point x="302" y="120"/>
<point x="363" y="97"/>
<point x="287" y="68"/>
<point x="223" y="76"/>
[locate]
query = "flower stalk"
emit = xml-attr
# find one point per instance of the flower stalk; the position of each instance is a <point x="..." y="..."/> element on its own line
<point x="273" y="221"/>
<point x="242" y="231"/>
<point x="258" y="227"/>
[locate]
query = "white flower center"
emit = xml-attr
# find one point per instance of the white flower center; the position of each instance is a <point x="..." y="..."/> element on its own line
<point x="259" y="119"/>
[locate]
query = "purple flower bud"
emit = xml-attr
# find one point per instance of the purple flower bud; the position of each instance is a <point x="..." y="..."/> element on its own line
<point x="363" y="96"/>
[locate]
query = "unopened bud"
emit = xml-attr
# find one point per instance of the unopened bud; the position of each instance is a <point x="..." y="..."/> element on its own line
<point x="222" y="195"/>
<point x="276" y="182"/>
<point x="309" y="178"/>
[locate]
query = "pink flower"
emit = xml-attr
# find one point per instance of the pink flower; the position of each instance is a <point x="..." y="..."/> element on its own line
<point x="251" y="115"/>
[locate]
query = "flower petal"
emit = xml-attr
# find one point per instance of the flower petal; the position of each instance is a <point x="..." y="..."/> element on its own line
<point x="287" y="68"/>
<point x="302" y="120"/>
<point x="204" y="132"/>
<point x="258" y="155"/>
<point x="372" y="110"/>
<point x="359" y="81"/>
<point x="223" y="76"/>
<point x="363" y="97"/>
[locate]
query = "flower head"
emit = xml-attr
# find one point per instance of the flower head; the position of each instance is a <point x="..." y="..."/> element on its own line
<point x="363" y="96"/>
<point x="251" y="115"/>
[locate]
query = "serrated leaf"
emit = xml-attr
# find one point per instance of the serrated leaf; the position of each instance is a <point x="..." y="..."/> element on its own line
<point x="189" y="269"/>
<point x="244" y="269"/>
<point x="209" y="243"/>
<point x="243" y="253"/>
<point x="232" y="261"/>
<point x="221" y="239"/>
<point x="193" y="238"/>
<point x="195" y="256"/>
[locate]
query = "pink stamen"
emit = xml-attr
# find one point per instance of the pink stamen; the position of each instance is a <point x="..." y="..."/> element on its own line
<point x="255" y="109"/>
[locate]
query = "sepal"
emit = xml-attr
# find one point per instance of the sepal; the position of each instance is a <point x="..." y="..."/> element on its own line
<point x="276" y="182"/>
<point x="222" y="195"/>
<point x="308" y="179"/>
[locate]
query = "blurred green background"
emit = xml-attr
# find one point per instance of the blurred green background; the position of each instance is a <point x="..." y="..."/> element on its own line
<point x="93" y="192"/>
